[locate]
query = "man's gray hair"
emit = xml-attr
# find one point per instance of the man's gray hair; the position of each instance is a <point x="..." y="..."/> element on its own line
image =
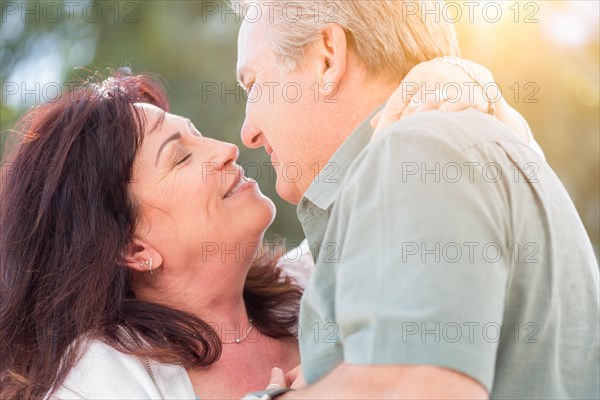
<point x="389" y="36"/>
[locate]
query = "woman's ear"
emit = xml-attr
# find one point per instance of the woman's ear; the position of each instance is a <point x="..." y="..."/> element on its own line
<point x="332" y="53"/>
<point x="141" y="257"/>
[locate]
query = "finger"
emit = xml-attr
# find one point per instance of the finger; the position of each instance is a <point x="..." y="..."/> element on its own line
<point x="299" y="382"/>
<point x="277" y="379"/>
<point x="393" y="111"/>
<point x="430" y="105"/>
<point x="396" y="103"/>
<point x="460" y="105"/>
<point x="455" y="106"/>
<point x="413" y="107"/>
<point x="444" y="104"/>
<point x="291" y="376"/>
<point x="388" y="116"/>
<point x="434" y="101"/>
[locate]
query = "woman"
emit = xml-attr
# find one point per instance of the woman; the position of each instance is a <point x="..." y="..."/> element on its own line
<point x="110" y="207"/>
<point x="132" y="264"/>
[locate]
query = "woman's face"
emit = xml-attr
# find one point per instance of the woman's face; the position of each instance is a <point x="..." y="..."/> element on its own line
<point x="196" y="207"/>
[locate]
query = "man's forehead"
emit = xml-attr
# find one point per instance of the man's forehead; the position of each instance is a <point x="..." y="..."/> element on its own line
<point x="249" y="47"/>
<point x="248" y="37"/>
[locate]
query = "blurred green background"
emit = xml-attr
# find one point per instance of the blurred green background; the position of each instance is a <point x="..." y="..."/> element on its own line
<point x="544" y="55"/>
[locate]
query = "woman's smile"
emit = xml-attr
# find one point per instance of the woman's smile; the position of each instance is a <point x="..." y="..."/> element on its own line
<point x="240" y="185"/>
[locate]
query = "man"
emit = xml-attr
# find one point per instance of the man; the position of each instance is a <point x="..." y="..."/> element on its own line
<point x="450" y="260"/>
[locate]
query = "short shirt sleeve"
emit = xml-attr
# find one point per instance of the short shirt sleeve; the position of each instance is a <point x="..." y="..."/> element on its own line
<point x="423" y="268"/>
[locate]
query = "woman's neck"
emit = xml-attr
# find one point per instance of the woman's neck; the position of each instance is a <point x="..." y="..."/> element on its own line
<point x="230" y="320"/>
<point x="217" y="301"/>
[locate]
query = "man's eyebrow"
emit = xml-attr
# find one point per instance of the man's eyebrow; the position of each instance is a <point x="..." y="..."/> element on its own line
<point x="174" y="136"/>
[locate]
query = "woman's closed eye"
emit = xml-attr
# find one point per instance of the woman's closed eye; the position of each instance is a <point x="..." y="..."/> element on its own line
<point x="181" y="156"/>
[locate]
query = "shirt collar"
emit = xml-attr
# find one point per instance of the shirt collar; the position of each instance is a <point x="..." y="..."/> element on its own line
<point x="325" y="188"/>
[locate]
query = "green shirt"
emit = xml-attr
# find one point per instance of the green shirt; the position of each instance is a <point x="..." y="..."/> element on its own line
<point x="447" y="241"/>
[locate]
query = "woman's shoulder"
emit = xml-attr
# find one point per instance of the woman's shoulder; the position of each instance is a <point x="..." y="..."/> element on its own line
<point x="103" y="372"/>
<point x="298" y="264"/>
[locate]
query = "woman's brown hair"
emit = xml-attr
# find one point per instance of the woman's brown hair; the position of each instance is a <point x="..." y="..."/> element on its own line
<point x="66" y="217"/>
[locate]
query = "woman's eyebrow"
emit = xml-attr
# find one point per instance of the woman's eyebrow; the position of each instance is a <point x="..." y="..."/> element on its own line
<point x="174" y="136"/>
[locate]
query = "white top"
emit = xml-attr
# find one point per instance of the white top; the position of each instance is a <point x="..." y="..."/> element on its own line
<point x="105" y="373"/>
<point x="535" y="146"/>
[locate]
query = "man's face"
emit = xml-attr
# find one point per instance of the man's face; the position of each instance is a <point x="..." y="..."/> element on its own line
<point x="283" y="112"/>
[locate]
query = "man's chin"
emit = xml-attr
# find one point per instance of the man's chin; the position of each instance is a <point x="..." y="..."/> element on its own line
<point x="288" y="191"/>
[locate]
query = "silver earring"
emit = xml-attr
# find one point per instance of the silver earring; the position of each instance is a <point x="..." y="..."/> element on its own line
<point x="151" y="271"/>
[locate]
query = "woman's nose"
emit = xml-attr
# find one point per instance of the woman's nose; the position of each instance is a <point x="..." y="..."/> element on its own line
<point x="230" y="153"/>
<point x="251" y="137"/>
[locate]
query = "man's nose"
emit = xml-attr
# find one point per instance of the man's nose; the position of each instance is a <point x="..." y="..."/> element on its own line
<point x="251" y="137"/>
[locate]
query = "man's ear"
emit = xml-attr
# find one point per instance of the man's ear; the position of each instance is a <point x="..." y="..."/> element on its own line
<point x="332" y="53"/>
<point x="140" y="256"/>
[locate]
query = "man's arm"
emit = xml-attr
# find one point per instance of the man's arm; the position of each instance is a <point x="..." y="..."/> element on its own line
<point x="391" y="382"/>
